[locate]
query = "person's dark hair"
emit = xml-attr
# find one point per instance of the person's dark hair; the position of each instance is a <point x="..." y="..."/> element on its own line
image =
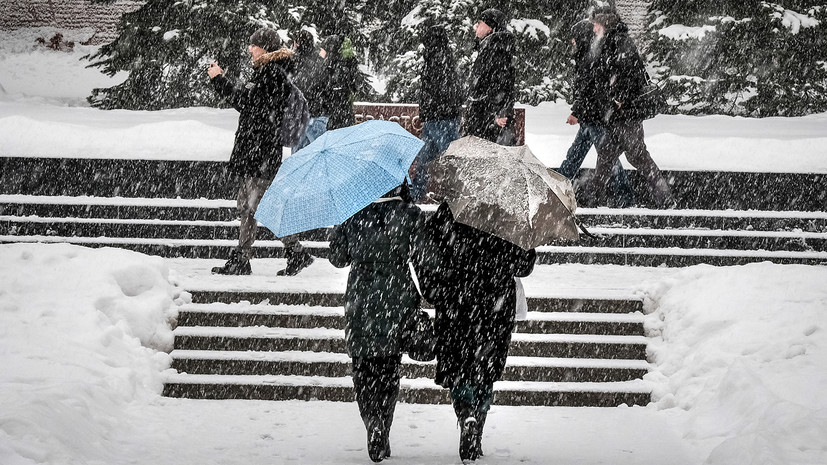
<point x="266" y="38"/>
<point x="304" y="40"/>
<point x="434" y="36"/>
<point x="605" y="16"/>
<point x="332" y="44"/>
<point x="494" y="18"/>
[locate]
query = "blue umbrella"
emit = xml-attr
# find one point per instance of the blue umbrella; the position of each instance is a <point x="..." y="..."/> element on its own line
<point x="337" y="175"/>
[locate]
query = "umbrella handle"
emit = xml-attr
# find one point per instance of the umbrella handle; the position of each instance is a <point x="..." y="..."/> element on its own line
<point x="583" y="228"/>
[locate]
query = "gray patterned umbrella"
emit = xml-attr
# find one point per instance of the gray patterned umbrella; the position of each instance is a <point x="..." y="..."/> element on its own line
<point x="505" y="191"/>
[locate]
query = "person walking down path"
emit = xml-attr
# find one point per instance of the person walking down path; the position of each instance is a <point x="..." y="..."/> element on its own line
<point x="621" y="66"/>
<point x="309" y="79"/>
<point x="489" y="111"/>
<point x="341" y="70"/>
<point x="440" y="103"/>
<point x="377" y="244"/>
<point x="586" y="111"/>
<point x="257" y="150"/>
<point x="469" y="276"/>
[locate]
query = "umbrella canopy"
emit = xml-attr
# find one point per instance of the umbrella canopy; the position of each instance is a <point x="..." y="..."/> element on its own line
<point x="505" y="191"/>
<point x="337" y="175"/>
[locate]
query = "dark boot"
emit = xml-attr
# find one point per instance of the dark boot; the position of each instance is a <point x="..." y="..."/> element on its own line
<point x="377" y="439"/>
<point x="480" y="428"/>
<point x="236" y="265"/>
<point x="468" y="440"/>
<point x="295" y="263"/>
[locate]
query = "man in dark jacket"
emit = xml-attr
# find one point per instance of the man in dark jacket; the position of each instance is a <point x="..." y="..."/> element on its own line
<point x="469" y="276"/>
<point x="440" y="103"/>
<point x="586" y="110"/>
<point x="377" y="244"/>
<point x="624" y="74"/>
<point x="257" y="152"/>
<point x="309" y="79"/>
<point x="489" y="112"/>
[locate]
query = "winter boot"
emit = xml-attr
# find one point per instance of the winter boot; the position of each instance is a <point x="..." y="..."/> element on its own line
<point x="480" y="428"/>
<point x="377" y="439"/>
<point x="468" y="440"/>
<point x="295" y="263"/>
<point x="235" y="265"/>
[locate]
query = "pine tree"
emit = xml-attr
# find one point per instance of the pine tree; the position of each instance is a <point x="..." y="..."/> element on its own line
<point x="738" y="58"/>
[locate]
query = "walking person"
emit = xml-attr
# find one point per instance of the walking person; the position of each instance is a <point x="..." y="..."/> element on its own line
<point x="489" y="111"/>
<point x="625" y="79"/>
<point x="469" y="276"/>
<point x="440" y="103"/>
<point x="257" y="150"/>
<point x="309" y="79"/>
<point x="381" y="295"/>
<point x="341" y="69"/>
<point x="589" y="91"/>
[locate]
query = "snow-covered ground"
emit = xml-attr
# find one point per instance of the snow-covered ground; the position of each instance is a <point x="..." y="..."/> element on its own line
<point x="739" y="353"/>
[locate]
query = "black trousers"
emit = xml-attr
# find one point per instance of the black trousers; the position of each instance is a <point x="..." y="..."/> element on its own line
<point x="376" y="385"/>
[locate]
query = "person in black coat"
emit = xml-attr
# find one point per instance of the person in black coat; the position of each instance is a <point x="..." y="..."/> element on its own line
<point x="489" y="113"/>
<point x="588" y="97"/>
<point x="440" y="102"/>
<point x="377" y="243"/>
<point x="257" y="151"/>
<point x="624" y="76"/>
<point x="310" y="80"/>
<point x="341" y="71"/>
<point x="469" y="276"/>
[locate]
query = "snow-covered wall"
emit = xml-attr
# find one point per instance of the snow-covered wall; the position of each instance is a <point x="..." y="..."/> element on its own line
<point x="633" y="13"/>
<point x="101" y="20"/>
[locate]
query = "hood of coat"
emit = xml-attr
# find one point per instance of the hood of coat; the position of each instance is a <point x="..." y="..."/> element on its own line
<point x="283" y="55"/>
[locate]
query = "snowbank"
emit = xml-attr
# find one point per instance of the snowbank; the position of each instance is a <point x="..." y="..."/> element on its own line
<point x="743" y="350"/>
<point x="81" y="332"/>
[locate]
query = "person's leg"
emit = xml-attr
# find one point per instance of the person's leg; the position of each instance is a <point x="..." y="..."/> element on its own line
<point x="419" y="180"/>
<point x="297" y="258"/>
<point x="577" y="152"/>
<point x="630" y="137"/>
<point x="376" y="385"/>
<point x="239" y="261"/>
<point x="608" y="151"/>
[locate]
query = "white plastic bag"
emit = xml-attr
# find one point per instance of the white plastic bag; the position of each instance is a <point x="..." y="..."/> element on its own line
<point x="522" y="303"/>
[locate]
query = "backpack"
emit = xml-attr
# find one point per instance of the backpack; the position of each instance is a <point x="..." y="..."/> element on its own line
<point x="295" y="116"/>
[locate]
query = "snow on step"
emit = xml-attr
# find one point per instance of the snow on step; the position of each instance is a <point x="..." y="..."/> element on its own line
<point x="675" y="251"/>
<point x="262" y="309"/>
<point x="116" y="201"/>
<point x="122" y="221"/>
<point x="230" y="243"/>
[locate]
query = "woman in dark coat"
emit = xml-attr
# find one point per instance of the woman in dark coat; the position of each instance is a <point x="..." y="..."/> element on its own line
<point x="469" y="276"/>
<point x="380" y="297"/>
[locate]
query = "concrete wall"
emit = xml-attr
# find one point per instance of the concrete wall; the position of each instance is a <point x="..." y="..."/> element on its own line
<point x="633" y="13"/>
<point x="63" y="15"/>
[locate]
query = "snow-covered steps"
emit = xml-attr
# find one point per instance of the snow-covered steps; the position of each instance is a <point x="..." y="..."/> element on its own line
<point x="207" y="228"/>
<point x="417" y="390"/>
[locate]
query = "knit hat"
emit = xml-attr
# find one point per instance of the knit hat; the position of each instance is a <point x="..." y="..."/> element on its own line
<point x="494" y="18"/>
<point x="266" y="38"/>
<point x="582" y="32"/>
<point x="605" y="16"/>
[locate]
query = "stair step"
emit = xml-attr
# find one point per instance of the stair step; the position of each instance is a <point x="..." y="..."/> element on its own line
<point x="332" y="340"/>
<point x="336" y="299"/>
<point x="291" y="316"/>
<point x="338" y="365"/>
<point x="419" y="391"/>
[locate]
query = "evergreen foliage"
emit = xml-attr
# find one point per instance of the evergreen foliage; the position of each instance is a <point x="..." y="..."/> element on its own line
<point x="740" y="58"/>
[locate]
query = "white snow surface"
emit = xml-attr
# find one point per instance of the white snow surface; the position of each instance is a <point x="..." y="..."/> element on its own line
<point x="737" y="371"/>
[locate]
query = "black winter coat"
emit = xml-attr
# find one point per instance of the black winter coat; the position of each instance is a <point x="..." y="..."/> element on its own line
<point x="469" y="275"/>
<point x="440" y="94"/>
<point x="309" y="77"/>
<point x="590" y="87"/>
<point x="625" y="74"/>
<point x="491" y="91"/>
<point x="381" y="295"/>
<point x="260" y="103"/>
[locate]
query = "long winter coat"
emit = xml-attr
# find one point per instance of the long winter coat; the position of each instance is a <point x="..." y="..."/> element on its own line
<point x="623" y="72"/>
<point x="339" y="84"/>
<point x="491" y="91"/>
<point x="590" y="86"/>
<point x="469" y="275"/>
<point x="380" y="296"/>
<point x="309" y="77"/>
<point x="440" y="94"/>
<point x="260" y="104"/>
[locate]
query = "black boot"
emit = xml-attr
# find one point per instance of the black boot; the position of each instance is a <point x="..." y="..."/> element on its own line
<point x="480" y="428"/>
<point x="377" y="439"/>
<point x="295" y="263"/>
<point x="468" y="440"/>
<point x="236" y="265"/>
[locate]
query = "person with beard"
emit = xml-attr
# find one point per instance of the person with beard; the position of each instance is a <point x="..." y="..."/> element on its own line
<point x="622" y="73"/>
<point x="587" y="90"/>
<point x="257" y="150"/>
<point x="489" y="112"/>
<point x="440" y="103"/>
<point x="308" y="78"/>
